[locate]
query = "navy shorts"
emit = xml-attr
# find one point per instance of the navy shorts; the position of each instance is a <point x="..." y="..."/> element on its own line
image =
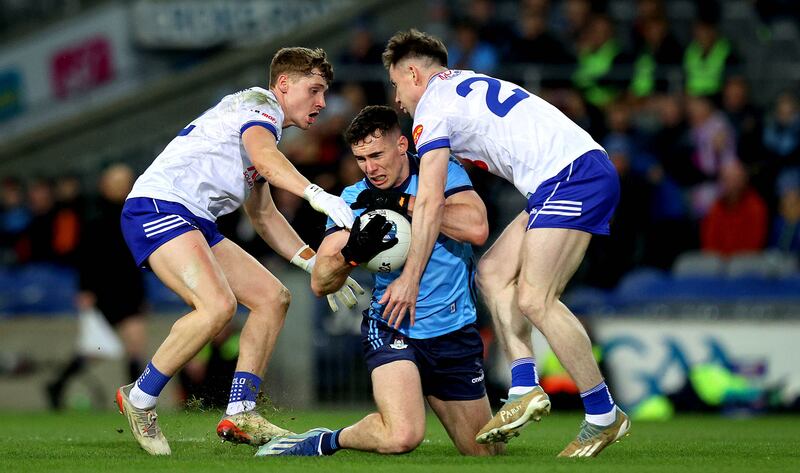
<point x="583" y="196"/>
<point x="149" y="223"/>
<point x="450" y="365"/>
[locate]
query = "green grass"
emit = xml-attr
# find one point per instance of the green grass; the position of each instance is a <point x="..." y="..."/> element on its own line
<point x="89" y="442"/>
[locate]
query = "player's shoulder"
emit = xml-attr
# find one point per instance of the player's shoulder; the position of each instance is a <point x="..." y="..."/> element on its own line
<point x="260" y="101"/>
<point x="350" y="193"/>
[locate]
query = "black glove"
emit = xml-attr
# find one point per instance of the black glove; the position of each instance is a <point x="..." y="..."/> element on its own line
<point x="365" y="243"/>
<point x="371" y="199"/>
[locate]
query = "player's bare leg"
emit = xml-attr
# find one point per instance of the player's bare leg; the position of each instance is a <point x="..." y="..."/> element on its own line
<point x="186" y="265"/>
<point x="463" y="420"/>
<point x="397" y="427"/>
<point x="497" y="276"/>
<point x="399" y="424"/>
<point x="268" y="300"/>
<point x="551" y="257"/>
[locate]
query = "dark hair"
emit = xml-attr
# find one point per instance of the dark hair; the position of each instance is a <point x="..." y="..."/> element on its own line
<point x="299" y="62"/>
<point x="414" y="43"/>
<point x="370" y="119"/>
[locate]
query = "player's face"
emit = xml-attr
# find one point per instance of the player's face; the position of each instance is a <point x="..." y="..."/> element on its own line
<point x="406" y="80"/>
<point x="382" y="158"/>
<point x="305" y="99"/>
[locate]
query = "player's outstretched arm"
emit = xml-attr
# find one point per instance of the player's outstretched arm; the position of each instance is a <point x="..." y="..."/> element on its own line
<point x="273" y="228"/>
<point x="262" y="148"/>
<point x="401" y="295"/>
<point x="331" y="270"/>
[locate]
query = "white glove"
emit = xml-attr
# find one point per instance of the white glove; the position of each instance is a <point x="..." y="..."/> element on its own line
<point x="333" y="206"/>
<point x="346" y="294"/>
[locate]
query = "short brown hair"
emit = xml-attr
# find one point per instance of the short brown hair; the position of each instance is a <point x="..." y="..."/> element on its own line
<point x="371" y="119"/>
<point x="299" y="61"/>
<point x="414" y="43"/>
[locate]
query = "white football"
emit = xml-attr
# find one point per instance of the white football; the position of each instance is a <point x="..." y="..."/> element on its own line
<point x="394" y="258"/>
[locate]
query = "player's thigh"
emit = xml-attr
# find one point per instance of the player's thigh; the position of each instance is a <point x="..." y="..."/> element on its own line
<point x="502" y="261"/>
<point x="550" y="258"/>
<point x="186" y="265"/>
<point x="397" y="388"/>
<point x="463" y="420"/>
<point x="252" y="284"/>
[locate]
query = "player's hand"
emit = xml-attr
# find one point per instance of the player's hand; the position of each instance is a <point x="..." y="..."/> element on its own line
<point x="348" y="294"/>
<point x="333" y="206"/>
<point x="365" y="243"/>
<point x="305" y="258"/>
<point x="371" y="199"/>
<point x="400" y="296"/>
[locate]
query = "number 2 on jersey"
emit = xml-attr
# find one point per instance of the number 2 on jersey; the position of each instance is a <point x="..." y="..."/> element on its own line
<point x="497" y="107"/>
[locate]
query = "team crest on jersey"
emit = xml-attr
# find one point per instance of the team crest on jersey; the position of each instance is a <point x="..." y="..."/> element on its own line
<point x="399" y="344"/>
<point x="416" y="133"/>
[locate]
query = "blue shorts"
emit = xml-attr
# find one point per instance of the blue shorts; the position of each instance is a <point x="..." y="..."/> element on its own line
<point x="582" y="196"/>
<point x="149" y="223"/>
<point x="450" y="365"/>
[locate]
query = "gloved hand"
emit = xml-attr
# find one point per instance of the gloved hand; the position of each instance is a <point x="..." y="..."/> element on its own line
<point x="333" y="206"/>
<point x="365" y="243"/>
<point x="371" y="199"/>
<point x="305" y="258"/>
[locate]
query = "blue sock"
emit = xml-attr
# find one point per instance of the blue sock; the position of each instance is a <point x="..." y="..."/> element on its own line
<point x="330" y="442"/>
<point x="152" y="381"/>
<point x="523" y="373"/>
<point x="244" y="387"/>
<point x="597" y="400"/>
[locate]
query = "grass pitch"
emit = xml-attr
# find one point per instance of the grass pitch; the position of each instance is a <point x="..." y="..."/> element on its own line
<point x="90" y="442"/>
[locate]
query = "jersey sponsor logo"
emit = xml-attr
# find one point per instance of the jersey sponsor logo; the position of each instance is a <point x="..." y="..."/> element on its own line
<point x="399" y="344"/>
<point x="447" y="74"/>
<point x="266" y="115"/>
<point x="416" y="133"/>
<point x="251" y="175"/>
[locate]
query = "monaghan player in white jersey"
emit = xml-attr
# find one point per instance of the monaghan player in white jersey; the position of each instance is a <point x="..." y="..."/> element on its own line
<point x="225" y="159"/>
<point x="572" y="191"/>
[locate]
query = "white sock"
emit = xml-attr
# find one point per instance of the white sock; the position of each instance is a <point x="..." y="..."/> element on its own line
<point x="239" y="406"/>
<point x="603" y="419"/>
<point x="142" y="400"/>
<point x="519" y="390"/>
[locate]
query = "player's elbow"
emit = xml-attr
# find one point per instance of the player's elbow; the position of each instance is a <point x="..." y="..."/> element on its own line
<point x="477" y="235"/>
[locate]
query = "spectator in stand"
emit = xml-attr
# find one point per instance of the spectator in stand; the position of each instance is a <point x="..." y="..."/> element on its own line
<point x="483" y="14"/>
<point x="534" y="44"/>
<point x="714" y="145"/>
<point x="781" y="136"/>
<point x="709" y="58"/>
<point x="737" y="222"/>
<point x="14" y="219"/>
<point x="599" y="54"/>
<point x="744" y="116"/>
<point x="671" y="231"/>
<point x="53" y="233"/>
<point x="575" y="17"/>
<point x="468" y="51"/>
<point x="657" y="50"/>
<point x="364" y="51"/>
<point x="786" y="227"/>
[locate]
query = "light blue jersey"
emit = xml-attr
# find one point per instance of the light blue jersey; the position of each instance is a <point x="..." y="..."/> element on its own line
<point x="446" y="299"/>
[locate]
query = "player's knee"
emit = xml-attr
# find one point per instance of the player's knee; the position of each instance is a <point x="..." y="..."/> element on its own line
<point x="486" y="278"/>
<point x="404" y="440"/>
<point x="533" y="304"/>
<point x="281" y="298"/>
<point x="221" y="308"/>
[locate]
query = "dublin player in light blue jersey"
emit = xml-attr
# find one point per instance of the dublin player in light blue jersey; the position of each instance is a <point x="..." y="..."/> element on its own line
<point x="572" y="191"/>
<point x="438" y="355"/>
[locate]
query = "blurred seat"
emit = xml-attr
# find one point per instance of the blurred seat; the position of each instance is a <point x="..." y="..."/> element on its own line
<point x="698" y="263"/>
<point x="767" y="264"/>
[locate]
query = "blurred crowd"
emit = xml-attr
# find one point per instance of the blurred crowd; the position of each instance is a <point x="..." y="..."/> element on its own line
<point x="702" y="165"/>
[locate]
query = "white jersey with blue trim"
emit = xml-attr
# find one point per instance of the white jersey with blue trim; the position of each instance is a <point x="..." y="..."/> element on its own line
<point x="206" y="168"/>
<point x="498" y="126"/>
